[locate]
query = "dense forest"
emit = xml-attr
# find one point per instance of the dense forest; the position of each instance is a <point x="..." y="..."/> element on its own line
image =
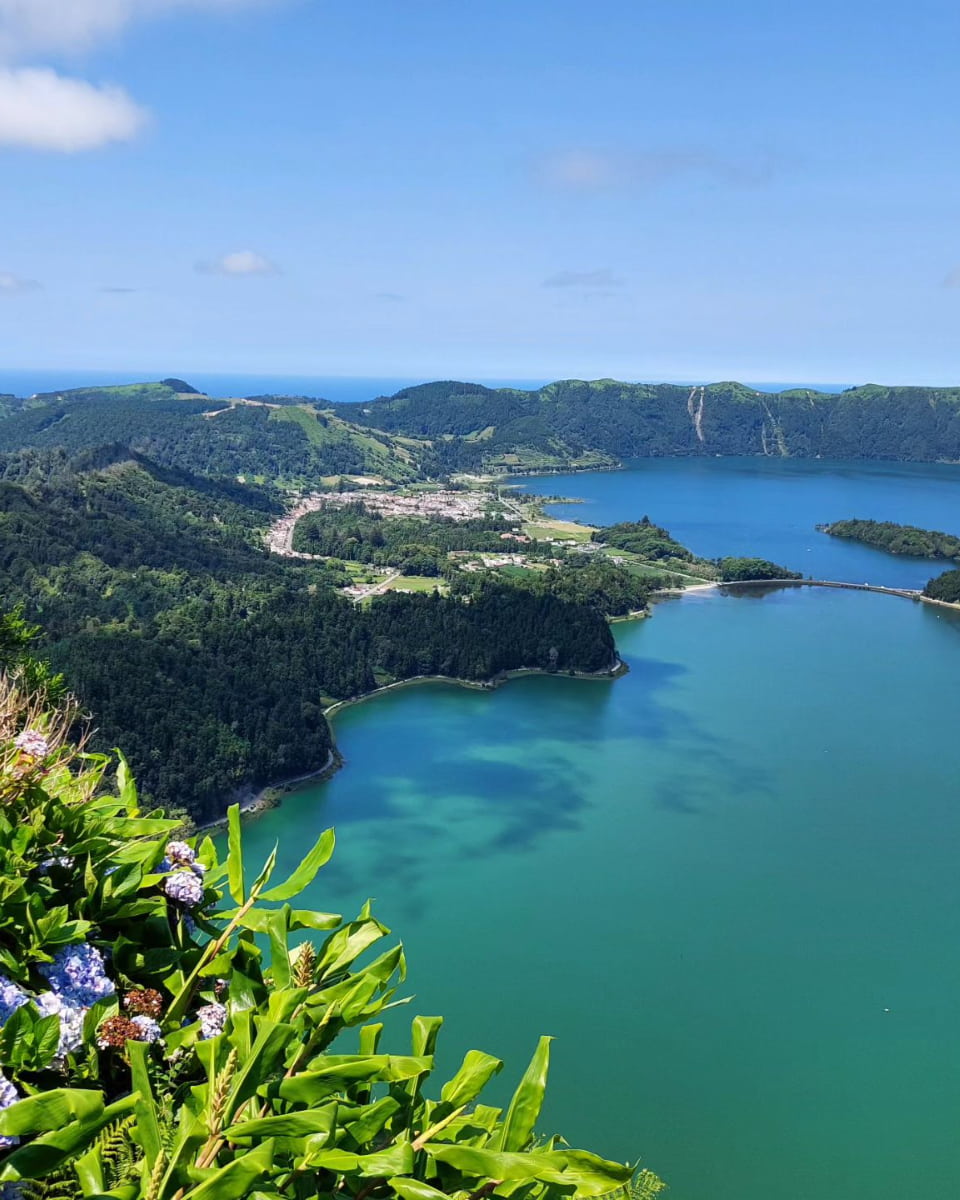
<point x="897" y="539"/>
<point x="945" y="587"/>
<point x="508" y="429"/>
<point x="209" y="659"/>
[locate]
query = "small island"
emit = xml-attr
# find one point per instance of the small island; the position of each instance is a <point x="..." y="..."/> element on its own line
<point x="908" y="540"/>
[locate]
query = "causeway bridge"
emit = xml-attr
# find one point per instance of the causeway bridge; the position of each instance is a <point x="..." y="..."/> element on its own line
<point x="906" y="593"/>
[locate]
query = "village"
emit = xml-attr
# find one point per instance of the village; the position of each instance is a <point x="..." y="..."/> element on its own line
<point x="463" y="504"/>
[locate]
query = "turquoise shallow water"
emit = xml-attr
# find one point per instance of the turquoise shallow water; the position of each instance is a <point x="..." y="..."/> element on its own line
<point x="709" y="879"/>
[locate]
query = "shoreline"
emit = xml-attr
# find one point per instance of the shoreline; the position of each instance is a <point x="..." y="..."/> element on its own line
<point x="271" y="795"/>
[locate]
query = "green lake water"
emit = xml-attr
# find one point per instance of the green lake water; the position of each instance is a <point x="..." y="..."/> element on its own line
<point x="726" y="882"/>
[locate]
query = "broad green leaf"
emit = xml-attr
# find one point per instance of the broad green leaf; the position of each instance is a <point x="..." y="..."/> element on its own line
<point x="475" y="1073"/>
<point x="305" y="874"/>
<point x="265" y="872"/>
<point x="374" y="1117"/>
<point x="236" y="1178"/>
<point x="297" y="1124"/>
<point x="524" y="1110"/>
<point x="414" y="1189"/>
<point x="50" y="1110"/>
<point x="277" y="931"/>
<point x="46" y="1152"/>
<point x="395" y="1160"/>
<point x="148" y="1127"/>
<point x="235" y="855"/>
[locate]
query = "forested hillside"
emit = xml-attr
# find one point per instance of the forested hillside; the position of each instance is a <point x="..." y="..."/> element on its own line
<point x="897" y="539"/>
<point x="509" y="429"/>
<point x="205" y="657"/>
<point x="284" y="440"/>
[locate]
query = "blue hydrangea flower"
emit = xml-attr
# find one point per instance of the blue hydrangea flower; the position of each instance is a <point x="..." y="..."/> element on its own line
<point x="71" y="1021"/>
<point x="184" y="887"/>
<point x="12" y="997"/>
<point x="8" y="1096"/>
<point x="149" y="1029"/>
<point x="78" y="975"/>
<point x="212" y="1018"/>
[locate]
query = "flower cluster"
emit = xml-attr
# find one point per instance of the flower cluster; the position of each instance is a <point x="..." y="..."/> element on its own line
<point x="78" y="975"/>
<point x="31" y="742"/>
<point x="12" y="997"/>
<point x="184" y="887"/>
<point x="145" y="1002"/>
<point x="115" y="1032"/>
<point x="8" y="1096"/>
<point x="178" y="855"/>
<point x="71" y="1021"/>
<point x="150" y="1030"/>
<point x="213" y="1017"/>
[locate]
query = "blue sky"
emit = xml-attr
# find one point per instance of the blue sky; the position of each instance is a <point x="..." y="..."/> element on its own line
<point x="535" y="188"/>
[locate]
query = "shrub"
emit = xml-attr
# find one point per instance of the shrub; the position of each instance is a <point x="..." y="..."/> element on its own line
<point x="170" y="1030"/>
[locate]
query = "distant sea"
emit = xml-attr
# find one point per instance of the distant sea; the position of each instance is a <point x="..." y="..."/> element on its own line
<point x="339" y="389"/>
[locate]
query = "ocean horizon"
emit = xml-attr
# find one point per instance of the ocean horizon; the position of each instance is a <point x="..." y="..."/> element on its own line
<point x="338" y="389"/>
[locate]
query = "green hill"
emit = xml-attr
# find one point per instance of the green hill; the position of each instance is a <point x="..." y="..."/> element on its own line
<point x="288" y="441"/>
<point x="485" y="428"/>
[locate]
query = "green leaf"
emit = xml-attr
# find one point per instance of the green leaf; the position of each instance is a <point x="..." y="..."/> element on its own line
<point x="305" y="874"/>
<point x="397" y="1159"/>
<point x="524" y="1110"/>
<point x="475" y="1073"/>
<point x="414" y="1189"/>
<point x="236" y="1178"/>
<point x="148" y="1127"/>
<point x="277" y="930"/>
<point x="297" y="1124"/>
<point x="50" y="1110"/>
<point x="46" y="1152"/>
<point x="235" y="855"/>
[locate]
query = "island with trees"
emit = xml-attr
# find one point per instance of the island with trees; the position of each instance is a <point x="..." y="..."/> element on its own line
<point x="909" y="540"/>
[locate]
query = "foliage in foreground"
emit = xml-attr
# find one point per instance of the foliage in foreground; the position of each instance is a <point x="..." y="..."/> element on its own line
<point x="163" y="1037"/>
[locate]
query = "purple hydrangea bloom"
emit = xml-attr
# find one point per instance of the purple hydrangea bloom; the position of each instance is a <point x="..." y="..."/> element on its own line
<point x="71" y="1021"/>
<point x="32" y="742"/>
<point x="12" y="997"/>
<point x="149" y="1028"/>
<point x="77" y="974"/>
<point x="184" y="887"/>
<point x="180" y="852"/>
<point x="8" y="1096"/>
<point x="212" y="1018"/>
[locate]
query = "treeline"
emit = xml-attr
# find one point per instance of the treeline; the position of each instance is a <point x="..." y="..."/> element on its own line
<point x="945" y="587"/>
<point x="624" y="420"/>
<point x="741" y="570"/>
<point x="644" y="539"/>
<point x="897" y="539"/>
<point x="209" y="660"/>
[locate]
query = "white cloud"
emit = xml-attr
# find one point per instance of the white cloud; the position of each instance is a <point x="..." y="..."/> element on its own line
<point x="603" y="277"/>
<point x="239" y="262"/>
<point x="29" y="26"/>
<point x="42" y="110"/>
<point x="11" y="284"/>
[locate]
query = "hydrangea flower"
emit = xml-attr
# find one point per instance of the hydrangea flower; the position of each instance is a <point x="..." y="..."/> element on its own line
<point x="184" y="887"/>
<point x="180" y="855"/>
<point x="12" y="997"/>
<point x="71" y="1021"/>
<point x="77" y="974"/>
<point x="149" y="1029"/>
<point x="8" y="1096"/>
<point x="212" y="1018"/>
<point x="32" y="742"/>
